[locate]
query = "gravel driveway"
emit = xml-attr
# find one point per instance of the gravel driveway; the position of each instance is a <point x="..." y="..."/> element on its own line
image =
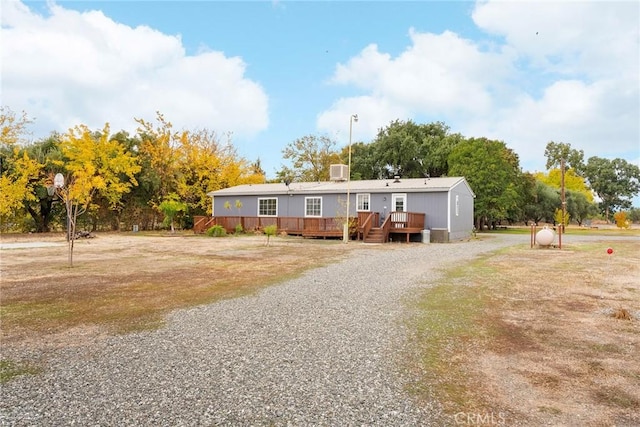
<point x="324" y="349"/>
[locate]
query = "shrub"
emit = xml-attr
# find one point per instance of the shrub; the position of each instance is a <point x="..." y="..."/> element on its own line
<point x="558" y="217"/>
<point x="621" y="219"/>
<point x="216" y="231"/>
<point x="239" y="229"/>
<point x="270" y="230"/>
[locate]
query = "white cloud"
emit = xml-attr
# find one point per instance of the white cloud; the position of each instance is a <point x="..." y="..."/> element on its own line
<point x="589" y="38"/>
<point x="371" y="111"/>
<point x="69" y="68"/>
<point x="576" y="81"/>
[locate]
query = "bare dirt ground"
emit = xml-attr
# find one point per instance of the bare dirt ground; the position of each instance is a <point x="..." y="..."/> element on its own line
<point x="552" y="351"/>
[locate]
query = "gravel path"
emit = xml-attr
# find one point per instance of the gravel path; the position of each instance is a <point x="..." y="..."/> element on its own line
<point x="323" y="349"/>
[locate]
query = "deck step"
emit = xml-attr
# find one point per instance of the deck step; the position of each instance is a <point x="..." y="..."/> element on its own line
<point x="376" y="235"/>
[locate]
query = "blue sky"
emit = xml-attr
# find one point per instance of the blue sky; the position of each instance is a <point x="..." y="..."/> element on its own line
<point x="525" y="73"/>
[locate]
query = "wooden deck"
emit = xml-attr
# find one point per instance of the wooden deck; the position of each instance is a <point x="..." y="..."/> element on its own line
<point x="366" y="226"/>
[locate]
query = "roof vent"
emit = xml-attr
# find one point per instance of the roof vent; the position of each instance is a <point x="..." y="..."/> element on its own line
<point x="396" y="178"/>
<point x="338" y="172"/>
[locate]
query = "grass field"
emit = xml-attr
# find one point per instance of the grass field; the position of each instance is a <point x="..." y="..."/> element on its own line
<point x="522" y="336"/>
<point x="535" y="337"/>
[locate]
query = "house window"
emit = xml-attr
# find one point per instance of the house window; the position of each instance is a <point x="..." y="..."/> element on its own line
<point x="457" y="205"/>
<point x="313" y="206"/>
<point x="268" y="207"/>
<point x="362" y="200"/>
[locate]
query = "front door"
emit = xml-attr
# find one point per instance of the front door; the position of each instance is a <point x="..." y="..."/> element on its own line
<point x="399" y="209"/>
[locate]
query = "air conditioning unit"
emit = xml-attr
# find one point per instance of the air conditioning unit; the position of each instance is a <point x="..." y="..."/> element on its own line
<point x="339" y="172"/>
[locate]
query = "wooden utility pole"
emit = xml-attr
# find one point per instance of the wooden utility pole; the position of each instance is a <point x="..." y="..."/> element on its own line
<point x="564" y="203"/>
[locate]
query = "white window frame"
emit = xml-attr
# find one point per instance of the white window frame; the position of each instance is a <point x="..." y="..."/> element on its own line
<point x="260" y="199"/>
<point x="306" y="206"/>
<point x="395" y="197"/>
<point x="360" y="197"/>
<point x="457" y="205"/>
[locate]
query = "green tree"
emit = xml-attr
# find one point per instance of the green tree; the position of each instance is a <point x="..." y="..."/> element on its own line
<point x="398" y="149"/>
<point x="493" y="172"/>
<point x="545" y="200"/>
<point x="171" y="207"/>
<point x="42" y="206"/>
<point x="414" y="150"/>
<point x="634" y="215"/>
<point x="556" y="152"/>
<point x="311" y="157"/>
<point x="579" y="207"/>
<point x="435" y="146"/>
<point x="269" y="231"/>
<point x="364" y="162"/>
<point x="615" y="182"/>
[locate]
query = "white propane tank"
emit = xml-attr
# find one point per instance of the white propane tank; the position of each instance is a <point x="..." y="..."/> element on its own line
<point x="545" y="237"/>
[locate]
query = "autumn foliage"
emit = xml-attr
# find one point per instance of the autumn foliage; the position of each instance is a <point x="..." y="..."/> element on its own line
<point x="113" y="180"/>
<point x="621" y="219"/>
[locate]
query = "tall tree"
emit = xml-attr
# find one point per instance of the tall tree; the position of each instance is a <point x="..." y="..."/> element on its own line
<point x="436" y="144"/>
<point x="42" y="205"/>
<point x="615" y="182"/>
<point x="572" y="181"/>
<point x="20" y="171"/>
<point x="493" y="172"/>
<point x="158" y="155"/>
<point x="311" y="157"/>
<point x="364" y="163"/>
<point x="414" y="150"/>
<point x="205" y="164"/>
<point x="398" y="148"/>
<point x="556" y="152"/>
<point x="17" y="184"/>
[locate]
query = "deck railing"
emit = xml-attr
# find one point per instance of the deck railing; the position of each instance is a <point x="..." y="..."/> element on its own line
<point x="407" y="220"/>
<point x="386" y="227"/>
<point x="317" y="227"/>
<point x="367" y="222"/>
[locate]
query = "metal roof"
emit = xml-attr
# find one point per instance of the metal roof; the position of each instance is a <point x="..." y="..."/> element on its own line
<point x="408" y="185"/>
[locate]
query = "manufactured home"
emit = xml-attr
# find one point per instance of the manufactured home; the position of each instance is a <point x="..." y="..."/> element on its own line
<point x="440" y="209"/>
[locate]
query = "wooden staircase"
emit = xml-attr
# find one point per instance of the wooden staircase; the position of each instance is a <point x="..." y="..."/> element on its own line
<point x="375" y="235"/>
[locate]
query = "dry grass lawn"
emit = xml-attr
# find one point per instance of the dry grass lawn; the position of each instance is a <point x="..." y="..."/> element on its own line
<point x="125" y="282"/>
<point x="536" y="337"/>
<point x="521" y="337"/>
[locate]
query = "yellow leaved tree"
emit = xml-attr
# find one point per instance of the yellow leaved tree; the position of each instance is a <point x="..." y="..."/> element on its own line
<point x="18" y="171"/>
<point x="572" y="181"/>
<point x="94" y="163"/>
<point x="207" y="165"/>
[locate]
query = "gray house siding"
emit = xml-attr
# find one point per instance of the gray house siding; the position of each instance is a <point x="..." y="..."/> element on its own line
<point x="287" y="205"/>
<point x="446" y="202"/>
<point x="460" y="212"/>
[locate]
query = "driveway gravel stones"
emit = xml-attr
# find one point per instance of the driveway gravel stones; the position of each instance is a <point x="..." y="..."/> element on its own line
<point x="323" y="349"/>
